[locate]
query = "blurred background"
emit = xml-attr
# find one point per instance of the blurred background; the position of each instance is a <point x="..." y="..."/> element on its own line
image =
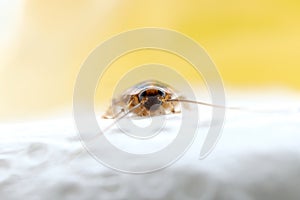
<point x="254" y="44"/>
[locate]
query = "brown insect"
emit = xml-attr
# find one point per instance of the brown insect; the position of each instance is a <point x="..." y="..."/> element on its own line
<point x="153" y="98"/>
<point x="148" y="98"/>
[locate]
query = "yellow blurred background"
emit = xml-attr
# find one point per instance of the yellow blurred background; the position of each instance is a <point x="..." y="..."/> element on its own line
<point x="43" y="44"/>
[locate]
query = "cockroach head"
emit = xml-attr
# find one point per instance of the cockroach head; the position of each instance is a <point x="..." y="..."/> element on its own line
<point x="152" y="98"/>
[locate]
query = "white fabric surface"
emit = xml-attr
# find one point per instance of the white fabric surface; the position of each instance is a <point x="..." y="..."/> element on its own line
<point x="257" y="157"/>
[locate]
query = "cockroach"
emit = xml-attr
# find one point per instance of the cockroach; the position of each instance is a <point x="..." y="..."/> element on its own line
<point x="154" y="98"/>
<point x="149" y="98"/>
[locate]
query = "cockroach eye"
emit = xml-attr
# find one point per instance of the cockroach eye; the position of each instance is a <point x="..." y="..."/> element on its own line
<point x="161" y="93"/>
<point x="142" y="95"/>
